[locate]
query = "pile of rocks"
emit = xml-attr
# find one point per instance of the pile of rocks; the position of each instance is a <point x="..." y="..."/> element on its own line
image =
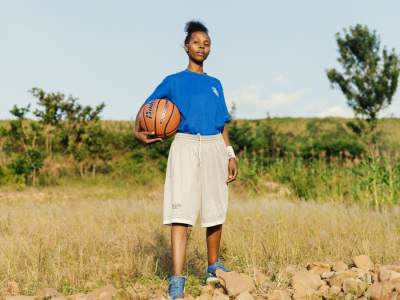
<point x="330" y="281"/>
<point x="362" y="280"/>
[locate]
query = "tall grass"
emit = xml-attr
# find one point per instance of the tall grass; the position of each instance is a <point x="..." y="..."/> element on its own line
<point x="63" y="241"/>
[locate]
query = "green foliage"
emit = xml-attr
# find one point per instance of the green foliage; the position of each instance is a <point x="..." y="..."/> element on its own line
<point x="28" y="164"/>
<point x="370" y="78"/>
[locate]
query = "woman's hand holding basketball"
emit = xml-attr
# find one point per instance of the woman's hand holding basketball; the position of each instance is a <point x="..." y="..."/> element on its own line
<point x="142" y="138"/>
<point x="233" y="170"/>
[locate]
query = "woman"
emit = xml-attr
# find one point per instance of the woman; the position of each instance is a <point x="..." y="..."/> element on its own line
<point x="200" y="159"/>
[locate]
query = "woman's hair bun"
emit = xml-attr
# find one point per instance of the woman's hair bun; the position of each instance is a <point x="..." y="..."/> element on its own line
<point x="193" y="26"/>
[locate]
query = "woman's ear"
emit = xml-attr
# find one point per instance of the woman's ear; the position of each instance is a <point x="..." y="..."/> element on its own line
<point x="187" y="48"/>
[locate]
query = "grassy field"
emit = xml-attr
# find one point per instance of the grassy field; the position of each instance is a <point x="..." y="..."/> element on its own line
<point x="64" y="238"/>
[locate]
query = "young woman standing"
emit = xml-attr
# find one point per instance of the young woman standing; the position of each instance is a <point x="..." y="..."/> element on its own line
<point x="201" y="161"/>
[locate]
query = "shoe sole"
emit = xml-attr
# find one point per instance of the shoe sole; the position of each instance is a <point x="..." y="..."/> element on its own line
<point x="212" y="280"/>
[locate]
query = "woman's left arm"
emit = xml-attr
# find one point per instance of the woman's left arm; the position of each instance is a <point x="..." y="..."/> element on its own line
<point x="232" y="166"/>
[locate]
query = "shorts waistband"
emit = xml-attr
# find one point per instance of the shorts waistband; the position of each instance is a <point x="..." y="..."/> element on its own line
<point x="195" y="138"/>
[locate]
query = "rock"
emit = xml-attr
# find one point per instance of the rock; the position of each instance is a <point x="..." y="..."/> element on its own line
<point x="257" y="275"/>
<point x="49" y="292"/>
<point x="206" y="289"/>
<point x="305" y="280"/>
<point x="247" y="296"/>
<point x="223" y="297"/>
<point x="394" y="278"/>
<point x="396" y="262"/>
<point x="397" y="288"/>
<point x="355" y="286"/>
<point x="76" y="296"/>
<point x="331" y="293"/>
<point x="374" y="278"/>
<point x="362" y="298"/>
<point x="380" y="291"/>
<point x="59" y="298"/>
<point x="291" y="271"/>
<point x="339" y="266"/>
<point x="386" y="275"/>
<point x="363" y="262"/>
<point x="306" y="294"/>
<point x="204" y="297"/>
<point x="332" y="264"/>
<point x="319" y="268"/>
<point x="280" y="295"/>
<point x="394" y="296"/>
<point x="107" y="291"/>
<point x="350" y="297"/>
<point x="9" y="290"/>
<point x="338" y="278"/>
<point x="235" y="283"/>
<point x="324" y="287"/>
<point x="90" y="285"/>
<point x="364" y="275"/>
<point x="215" y="294"/>
<point x="18" y="298"/>
<point x="327" y="275"/>
<point x="378" y="268"/>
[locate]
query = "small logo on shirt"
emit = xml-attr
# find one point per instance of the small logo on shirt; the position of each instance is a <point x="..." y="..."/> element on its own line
<point x="215" y="91"/>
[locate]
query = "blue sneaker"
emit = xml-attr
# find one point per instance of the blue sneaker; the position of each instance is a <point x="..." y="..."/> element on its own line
<point x="211" y="275"/>
<point x="176" y="288"/>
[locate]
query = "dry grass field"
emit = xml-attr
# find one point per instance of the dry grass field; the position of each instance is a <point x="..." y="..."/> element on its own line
<point x="64" y="238"/>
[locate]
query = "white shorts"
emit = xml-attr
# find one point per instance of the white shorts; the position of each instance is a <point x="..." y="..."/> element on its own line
<point x="196" y="177"/>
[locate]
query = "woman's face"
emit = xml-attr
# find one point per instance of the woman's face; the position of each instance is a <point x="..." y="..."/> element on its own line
<point x="199" y="46"/>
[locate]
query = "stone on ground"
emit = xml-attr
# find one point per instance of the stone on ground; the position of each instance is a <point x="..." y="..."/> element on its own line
<point x="331" y="293"/>
<point x="386" y="275"/>
<point x="280" y="295"/>
<point x="204" y="297"/>
<point x="338" y="278"/>
<point x="235" y="283"/>
<point x="363" y="262"/>
<point x="49" y="292"/>
<point x="291" y="271"/>
<point x="327" y="275"/>
<point x="355" y="286"/>
<point x="141" y="295"/>
<point x="394" y="296"/>
<point x="105" y="292"/>
<point x="322" y="288"/>
<point x="217" y="293"/>
<point x="206" y="289"/>
<point x="257" y="275"/>
<point x="19" y="298"/>
<point x="223" y="297"/>
<point x="307" y="294"/>
<point x="319" y="268"/>
<point x="396" y="262"/>
<point x="305" y="280"/>
<point x="339" y="266"/>
<point x="380" y="291"/>
<point x="76" y="296"/>
<point x="59" y="298"/>
<point x="10" y="289"/>
<point x="246" y="296"/>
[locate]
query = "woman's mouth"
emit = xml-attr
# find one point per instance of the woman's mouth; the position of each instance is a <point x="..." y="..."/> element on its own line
<point x="201" y="53"/>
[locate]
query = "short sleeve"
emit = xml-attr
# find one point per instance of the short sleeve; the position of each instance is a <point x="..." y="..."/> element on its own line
<point x="224" y="107"/>
<point x="163" y="91"/>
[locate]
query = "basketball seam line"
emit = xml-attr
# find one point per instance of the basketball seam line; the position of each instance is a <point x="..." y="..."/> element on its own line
<point x="166" y="126"/>
<point x="174" y="128"/>
<point x="155" y="119"/>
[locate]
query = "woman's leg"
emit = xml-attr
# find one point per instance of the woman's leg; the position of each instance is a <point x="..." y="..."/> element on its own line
<point x="178" y="241"/>
<point x="213" y="240"/>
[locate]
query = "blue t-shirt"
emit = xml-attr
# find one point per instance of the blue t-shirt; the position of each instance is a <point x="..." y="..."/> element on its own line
<point x="200" y="100"/>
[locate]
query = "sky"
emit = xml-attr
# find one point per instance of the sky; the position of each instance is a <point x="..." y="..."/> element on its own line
<point x="270" y="56"/>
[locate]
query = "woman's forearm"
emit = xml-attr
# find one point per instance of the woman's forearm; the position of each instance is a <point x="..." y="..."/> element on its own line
<point x="137" y="125"/>
<point x="226" y="136"/>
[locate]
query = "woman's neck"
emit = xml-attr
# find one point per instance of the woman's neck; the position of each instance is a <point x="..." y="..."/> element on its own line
<point x="196" y="67"/>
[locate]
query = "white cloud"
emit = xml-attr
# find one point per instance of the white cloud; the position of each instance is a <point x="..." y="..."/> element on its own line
<point x="336" y="111"/>
<point x="280" y="79"/>
<point x="248" y="97"/>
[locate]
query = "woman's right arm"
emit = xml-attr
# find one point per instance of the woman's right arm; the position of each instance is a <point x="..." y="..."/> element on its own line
<point x="141" y="136"/>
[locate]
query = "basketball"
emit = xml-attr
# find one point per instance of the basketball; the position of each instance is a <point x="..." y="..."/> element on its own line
<point x="160" y="116"/>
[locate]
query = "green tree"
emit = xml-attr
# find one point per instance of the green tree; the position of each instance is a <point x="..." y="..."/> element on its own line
<point x="30" y="162"/>
<point x="51" y="114"/>
<point x="370" y="76"/>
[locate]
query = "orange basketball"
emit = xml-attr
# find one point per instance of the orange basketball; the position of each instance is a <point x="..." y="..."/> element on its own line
<point x="160" y="116"/>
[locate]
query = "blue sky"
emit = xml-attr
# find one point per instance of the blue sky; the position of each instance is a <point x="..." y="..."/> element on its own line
<point x="270" y="56"/>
